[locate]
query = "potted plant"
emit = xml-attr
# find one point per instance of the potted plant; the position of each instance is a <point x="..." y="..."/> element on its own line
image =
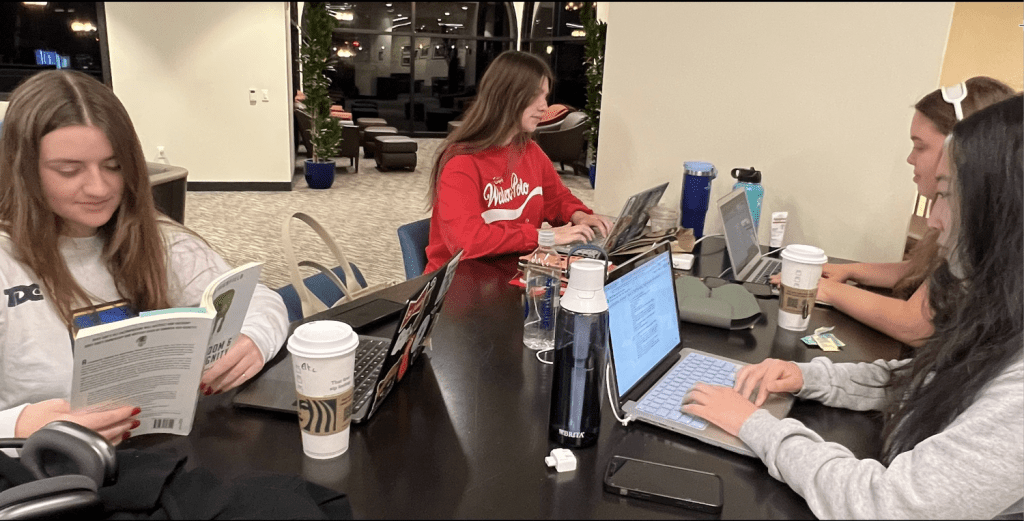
<point x="325" y="131"/>
<point x="593" y="51"/>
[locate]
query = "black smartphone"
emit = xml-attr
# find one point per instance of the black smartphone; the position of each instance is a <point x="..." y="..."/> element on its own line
<point x="694" y="489"/>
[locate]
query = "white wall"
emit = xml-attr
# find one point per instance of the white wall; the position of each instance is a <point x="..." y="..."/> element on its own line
<point x="818" y="96"/>
<point x="183" y="70"/>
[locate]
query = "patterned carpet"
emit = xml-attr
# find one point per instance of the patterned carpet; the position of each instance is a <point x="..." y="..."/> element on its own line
<point x="361" y="210"/>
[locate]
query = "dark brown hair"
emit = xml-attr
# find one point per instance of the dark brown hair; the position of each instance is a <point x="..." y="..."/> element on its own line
<point x="510" y="84"/>
<point x="976" y="295"/>
<point x="133" y="248"/>
<point x="982" y="91"/>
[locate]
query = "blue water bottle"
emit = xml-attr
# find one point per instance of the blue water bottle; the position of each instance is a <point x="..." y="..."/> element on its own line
<point x="697" y="177"/>
<point x="750" y="180"/>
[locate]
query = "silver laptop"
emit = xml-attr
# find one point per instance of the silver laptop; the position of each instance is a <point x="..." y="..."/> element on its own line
<point x="630" y="223"/>
<point x="649" y="373"/>
<point x="748" y="265"/>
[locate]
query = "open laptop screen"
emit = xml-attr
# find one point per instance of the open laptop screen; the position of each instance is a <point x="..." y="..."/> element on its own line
<point x="642" y="319"/>
<point x="739" y="229"/>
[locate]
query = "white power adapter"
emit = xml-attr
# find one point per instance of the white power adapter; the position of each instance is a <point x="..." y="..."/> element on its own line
<point x="682" y="261"/>
<point x="562" y="459"/>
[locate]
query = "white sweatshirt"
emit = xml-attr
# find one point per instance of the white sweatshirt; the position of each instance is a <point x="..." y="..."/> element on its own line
<point x="973" y="469"/>
<point x="35" y="345"/>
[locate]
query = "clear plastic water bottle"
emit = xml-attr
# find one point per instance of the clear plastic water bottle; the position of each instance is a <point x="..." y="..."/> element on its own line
<point x="750" y="180"/>
<point x="543" y="276"/>
<point x="581" y="343"/>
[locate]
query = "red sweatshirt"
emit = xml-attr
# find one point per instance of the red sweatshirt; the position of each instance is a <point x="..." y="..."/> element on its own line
<point x="487" y="206"/>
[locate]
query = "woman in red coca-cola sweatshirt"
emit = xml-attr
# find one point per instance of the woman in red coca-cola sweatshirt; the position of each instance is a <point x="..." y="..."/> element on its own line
<point x="491" y="186"/>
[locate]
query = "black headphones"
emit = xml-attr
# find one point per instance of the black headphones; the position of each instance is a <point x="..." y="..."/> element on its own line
<point x="70" y="463"/>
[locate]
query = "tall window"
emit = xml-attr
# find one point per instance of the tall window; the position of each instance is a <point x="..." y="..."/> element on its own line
<point x="414" y="64"/>
<point x="553" y="31"/>
<point x="37" y="36"/>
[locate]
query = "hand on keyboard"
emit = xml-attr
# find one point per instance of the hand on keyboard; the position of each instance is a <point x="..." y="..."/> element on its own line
<point x="719" y="405"/>
<point x="770" y="376"/>
<point x="572" y="233"/>
<point x="600" y="224"/>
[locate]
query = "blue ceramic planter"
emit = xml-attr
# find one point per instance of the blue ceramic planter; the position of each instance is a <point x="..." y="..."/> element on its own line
<point x="319" y="175"/>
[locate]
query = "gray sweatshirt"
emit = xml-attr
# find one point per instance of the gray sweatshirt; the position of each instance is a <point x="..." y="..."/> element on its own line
<point x="972" y="469"/>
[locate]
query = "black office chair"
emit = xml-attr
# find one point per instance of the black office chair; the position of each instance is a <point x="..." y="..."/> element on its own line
<point x="413" y="238"/>
<point x="68" y="462"/>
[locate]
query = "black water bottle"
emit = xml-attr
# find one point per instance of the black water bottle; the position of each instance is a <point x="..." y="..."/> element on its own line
<point x="581" y="343"/>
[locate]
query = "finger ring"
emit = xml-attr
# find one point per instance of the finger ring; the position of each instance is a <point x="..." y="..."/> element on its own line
<point x="243" y="375"/>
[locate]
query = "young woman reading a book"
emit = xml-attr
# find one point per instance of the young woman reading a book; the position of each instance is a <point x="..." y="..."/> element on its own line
<point x="492" y="187"/>
<point x="953" y="416"/>
<point x="79" y="231"/>
<point x="905" y="315"/>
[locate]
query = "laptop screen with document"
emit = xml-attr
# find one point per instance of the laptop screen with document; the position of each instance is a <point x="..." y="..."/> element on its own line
<point x="739" y="229"/>
<point x="642" y="318"/>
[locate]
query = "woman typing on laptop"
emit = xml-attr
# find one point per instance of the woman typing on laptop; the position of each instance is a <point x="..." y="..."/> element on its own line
<point x="79" y="230"/>
<point x="492" y="187"/>
<point x="954" y="414"/>
<point x="905" y="316"/>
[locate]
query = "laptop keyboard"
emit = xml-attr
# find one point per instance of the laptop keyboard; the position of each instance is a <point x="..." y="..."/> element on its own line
<point x="765" y="272"/>
<point x="665" y="398"/>
<point x="369" y="358"/>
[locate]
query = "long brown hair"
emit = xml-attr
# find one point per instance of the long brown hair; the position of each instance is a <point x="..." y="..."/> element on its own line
<point x="982" y="91"/>
<point x="976" y="295"/>
<point x="133" y="248"/>
<point x="510" y="84"/>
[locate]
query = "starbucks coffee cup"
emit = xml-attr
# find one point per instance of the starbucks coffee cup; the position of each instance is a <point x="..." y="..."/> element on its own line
<point x="801" y="271"/>
<point x="323" y="359"/>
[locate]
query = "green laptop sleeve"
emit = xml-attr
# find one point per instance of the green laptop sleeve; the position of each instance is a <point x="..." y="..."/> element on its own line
<point x="728" y="307"/>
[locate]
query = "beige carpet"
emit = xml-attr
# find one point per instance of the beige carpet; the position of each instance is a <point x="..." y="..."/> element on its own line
<point x="362" y="210"/>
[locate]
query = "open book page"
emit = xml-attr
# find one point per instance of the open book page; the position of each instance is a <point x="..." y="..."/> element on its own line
<point x="155" y="361"/>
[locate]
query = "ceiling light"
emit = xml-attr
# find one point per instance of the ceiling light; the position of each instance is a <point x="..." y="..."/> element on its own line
<point x="446" y="13"/>
<point x="35" y="4"/>
<point x="465" y="8"/>
<point x="549" y="49"/>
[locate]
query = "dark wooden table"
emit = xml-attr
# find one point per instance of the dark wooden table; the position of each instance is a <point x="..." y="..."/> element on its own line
<point x="465" y="434"/>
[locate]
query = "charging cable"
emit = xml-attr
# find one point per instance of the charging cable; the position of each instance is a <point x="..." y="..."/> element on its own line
<point x="611" y="401"/>
<point x="696" y="242"/>
<point x="543" y="361"/>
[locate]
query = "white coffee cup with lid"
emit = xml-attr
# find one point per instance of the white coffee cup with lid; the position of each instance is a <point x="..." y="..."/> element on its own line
<point x="801" y="271"/>
<point x="323" y="359"/>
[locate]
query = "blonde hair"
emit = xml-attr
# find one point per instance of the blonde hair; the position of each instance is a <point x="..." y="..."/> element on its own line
<point x="133" y="246"/>
<point x="510" y="84"/>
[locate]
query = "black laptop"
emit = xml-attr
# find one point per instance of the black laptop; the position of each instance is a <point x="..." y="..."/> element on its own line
<point x="380" y="364"/>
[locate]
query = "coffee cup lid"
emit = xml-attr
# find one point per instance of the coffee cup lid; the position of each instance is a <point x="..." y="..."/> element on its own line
<point x="804" y="254"/>
<point x="323" y="339"/>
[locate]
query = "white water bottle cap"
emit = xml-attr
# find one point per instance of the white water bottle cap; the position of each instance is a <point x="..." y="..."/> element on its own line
<point x="586" y="275"/>
<point x="545" y="237"/>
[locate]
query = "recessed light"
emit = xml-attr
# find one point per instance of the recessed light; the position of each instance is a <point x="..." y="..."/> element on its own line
<point x="446" y="13"/>
<point x="465" y="8"/>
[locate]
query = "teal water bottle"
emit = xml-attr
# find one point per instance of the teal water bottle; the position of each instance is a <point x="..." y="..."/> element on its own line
<point x="750" y="181"/>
